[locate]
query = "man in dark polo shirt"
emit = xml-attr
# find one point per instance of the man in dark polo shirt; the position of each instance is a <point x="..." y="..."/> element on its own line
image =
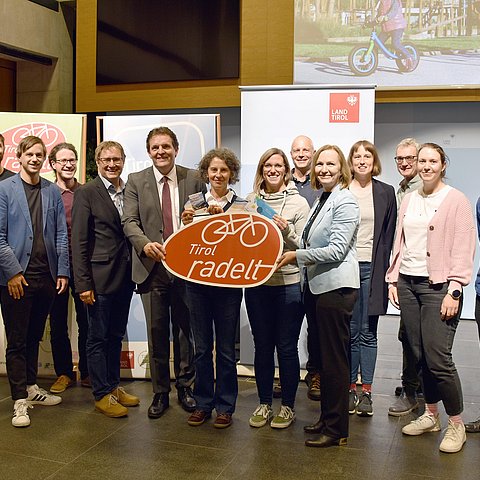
<point x="63" y="160"/>
<point x="34" y="267"/>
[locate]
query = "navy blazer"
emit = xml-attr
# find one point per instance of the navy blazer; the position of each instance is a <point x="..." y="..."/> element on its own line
<point x="385" y="214"/>
<point x="16" y="230"/>
<point x="328" y="254"/>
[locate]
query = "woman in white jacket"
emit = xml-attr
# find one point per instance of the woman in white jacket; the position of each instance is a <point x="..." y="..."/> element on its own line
<point x="275" y="309"/>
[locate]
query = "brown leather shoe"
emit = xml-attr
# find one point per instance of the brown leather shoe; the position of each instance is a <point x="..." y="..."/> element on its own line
<point x="85" y="382"/>
<point x="125" y="398"/>
<point x="223" y="420"/>
<point x="313" y="392"/>
<point x="109" y="406"/>
<point x="198" y="417"/>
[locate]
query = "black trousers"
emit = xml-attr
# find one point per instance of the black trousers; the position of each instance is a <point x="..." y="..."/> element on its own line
<point x="329" y="315"/>
<point x="165" y="305"/>
<point x="24" y="321"/>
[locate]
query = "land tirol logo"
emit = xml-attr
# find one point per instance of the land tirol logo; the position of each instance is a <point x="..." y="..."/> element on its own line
<point x="344" y="107"/>
<point x="236" y="250"/>
<point x="50" y="134"/>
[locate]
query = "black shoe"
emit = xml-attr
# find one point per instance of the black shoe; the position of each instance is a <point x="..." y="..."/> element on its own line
<point x="365" y="405"/>
<point x="315" y="428"/>
<point x="404" y="405"/>
<point x="324" y="441"/>
<point x="473" y="427"/>
<point x="158" y="406"/>
<point x="313" y="392"/>
<point x="185" y="398"/>
<point x="398" y="391"/>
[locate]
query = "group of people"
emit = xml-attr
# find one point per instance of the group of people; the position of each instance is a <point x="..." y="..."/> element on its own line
<point x="344" y="256"/>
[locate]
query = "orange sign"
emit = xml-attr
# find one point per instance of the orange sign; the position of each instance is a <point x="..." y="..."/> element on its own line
<point x="228" y="250"/>
<point x="344" y="107"/>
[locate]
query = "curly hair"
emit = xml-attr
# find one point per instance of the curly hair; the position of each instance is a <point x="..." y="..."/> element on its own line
<point x="225" y="154"/>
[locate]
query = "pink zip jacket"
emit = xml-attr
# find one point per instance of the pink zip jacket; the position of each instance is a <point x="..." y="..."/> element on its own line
<point x="450" y="242"/>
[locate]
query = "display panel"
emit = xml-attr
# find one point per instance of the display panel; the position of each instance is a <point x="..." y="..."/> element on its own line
<point x="143" y="41"/>
<point x="351" y="41"/>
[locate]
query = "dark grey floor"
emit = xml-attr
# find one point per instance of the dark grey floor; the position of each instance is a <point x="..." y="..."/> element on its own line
<point x="72" y="441"/>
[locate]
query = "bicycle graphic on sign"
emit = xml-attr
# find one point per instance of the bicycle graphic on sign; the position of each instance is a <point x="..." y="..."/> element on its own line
<point x="251" y="232"/>
<point x="48" y="133"/>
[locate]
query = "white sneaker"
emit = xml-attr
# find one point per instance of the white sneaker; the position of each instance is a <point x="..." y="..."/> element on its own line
<point x="39" y="396"/>
<point x="262" y="414"/>
<point x="284" y="418"/>
<point x="20" y="413"/>
<point x="454" y="438"/>
<point x="423" y="424"/>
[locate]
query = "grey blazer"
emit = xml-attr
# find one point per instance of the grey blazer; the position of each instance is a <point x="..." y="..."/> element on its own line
<point x="142" y="213"/>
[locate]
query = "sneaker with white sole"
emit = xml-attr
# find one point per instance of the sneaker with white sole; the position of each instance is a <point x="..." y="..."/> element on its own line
<point x="365" y="405"/>
<point x="284" y="418"/>
<point x="39" y="396"/>
<point x="454" y="438"/>
<point x="262" y="414"/>
<point x="423" y="424"/>
<point x="20" y="413"/>
<point x="352" y="401"/>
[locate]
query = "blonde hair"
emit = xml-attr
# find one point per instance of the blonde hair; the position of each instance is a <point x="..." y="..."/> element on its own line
<point x="345" y="173"/>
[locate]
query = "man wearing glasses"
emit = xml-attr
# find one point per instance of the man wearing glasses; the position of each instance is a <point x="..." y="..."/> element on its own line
<point x="63" y="159"/>
<point x="406" y="160"/>
<point x="102" y="274"/>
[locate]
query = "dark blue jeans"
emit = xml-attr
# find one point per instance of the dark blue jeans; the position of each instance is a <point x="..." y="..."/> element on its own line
<point x="363" y="332"/>
<point x="220" y="307"/>
<point x="276" y="314"/>
<point x="431" y="339"/>
<point x="59" y="338"/>
<point x="107" y="323"/>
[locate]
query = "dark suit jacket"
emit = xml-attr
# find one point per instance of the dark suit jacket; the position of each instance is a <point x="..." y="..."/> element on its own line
<point x="101" y="253"/>
<point x="142" y="214"/>
<point x="385" y="208"/>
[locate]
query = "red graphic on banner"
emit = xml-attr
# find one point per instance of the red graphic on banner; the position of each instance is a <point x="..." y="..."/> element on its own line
<point x="50" y="134"/>
<point x="127" y="359"/>
<point x="229" y="250"/>
<point x="344" y="107"/>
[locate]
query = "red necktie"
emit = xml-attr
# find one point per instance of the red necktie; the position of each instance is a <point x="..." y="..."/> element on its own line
<point x="166" y="209"/>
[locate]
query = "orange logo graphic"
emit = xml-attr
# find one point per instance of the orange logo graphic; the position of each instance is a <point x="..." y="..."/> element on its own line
<point x="228" y="250"/>
<point x="344" y="107"/>
<point x="50" y="134"/>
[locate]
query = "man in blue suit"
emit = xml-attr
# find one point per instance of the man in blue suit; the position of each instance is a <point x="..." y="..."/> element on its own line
<point x="34" y="267"/>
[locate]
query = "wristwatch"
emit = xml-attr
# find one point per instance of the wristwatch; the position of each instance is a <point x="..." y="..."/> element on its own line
<point x="455" y="294"/>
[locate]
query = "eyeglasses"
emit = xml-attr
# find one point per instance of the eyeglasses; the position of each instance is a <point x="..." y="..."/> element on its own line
<point x="115" y="160"/>
<point x="72" y="161"/>
<point x="409" y="159"/>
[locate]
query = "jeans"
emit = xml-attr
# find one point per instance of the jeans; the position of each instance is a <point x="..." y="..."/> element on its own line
<point x="59" y="339"/>
<point x="220" y="307"/>
<point x="431" y="339"/>
<point x="410" y="376"/>
<point x="363" y="332"/>
<point x="276" y="314"/>
<point x="107" y="323"/>
<point x="24" y="321"/>
<point x="397" y="45"/>
<point x="477" y="313"/>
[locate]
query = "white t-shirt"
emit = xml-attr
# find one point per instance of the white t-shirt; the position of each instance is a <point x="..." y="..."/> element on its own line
<point x="419" y="214"/>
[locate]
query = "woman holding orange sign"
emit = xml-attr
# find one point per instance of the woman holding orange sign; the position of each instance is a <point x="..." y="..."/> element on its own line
<point x="214" y="306"/>
<point x="275" y="309"/>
